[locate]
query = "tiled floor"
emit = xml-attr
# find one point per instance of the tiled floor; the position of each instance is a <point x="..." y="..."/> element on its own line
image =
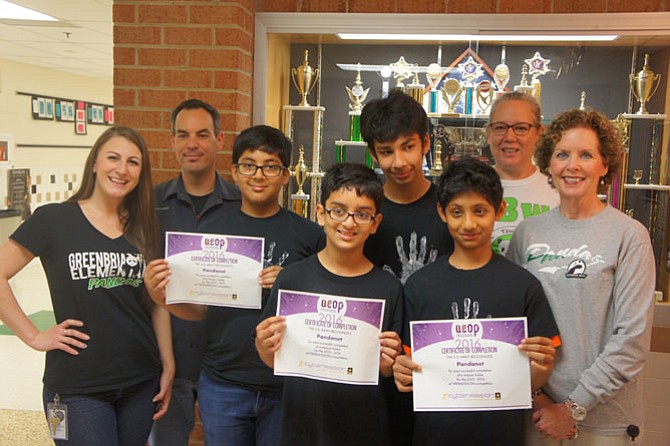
<point x="22" y="422"/>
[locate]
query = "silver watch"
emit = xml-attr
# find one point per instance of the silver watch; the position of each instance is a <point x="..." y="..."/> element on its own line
<point x="577" y="412"/>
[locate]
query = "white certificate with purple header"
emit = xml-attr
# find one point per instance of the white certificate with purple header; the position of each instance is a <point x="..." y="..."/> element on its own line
<point x="330" y="338"/>
<point x="214" y="269"/>
<point x="470" y="364"/>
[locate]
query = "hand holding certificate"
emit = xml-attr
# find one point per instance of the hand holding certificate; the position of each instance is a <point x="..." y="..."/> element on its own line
<point x="214" y="269"/>
<point x="470" y="364"/>
<point x="330" y="338"/>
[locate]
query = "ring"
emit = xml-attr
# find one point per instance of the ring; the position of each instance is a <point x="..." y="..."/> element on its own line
<point x="65" y="332"/>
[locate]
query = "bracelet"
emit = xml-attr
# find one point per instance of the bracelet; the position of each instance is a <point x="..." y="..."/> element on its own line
<point x="537" y="393"/>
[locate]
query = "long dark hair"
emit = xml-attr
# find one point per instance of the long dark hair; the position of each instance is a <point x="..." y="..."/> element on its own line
<point x="140" y="225"/>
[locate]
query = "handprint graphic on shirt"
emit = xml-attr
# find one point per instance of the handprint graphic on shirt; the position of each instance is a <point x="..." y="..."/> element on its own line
<point x="415" y="260"/>
<point x="468" y="306"/>
<point x="267" y="260"/>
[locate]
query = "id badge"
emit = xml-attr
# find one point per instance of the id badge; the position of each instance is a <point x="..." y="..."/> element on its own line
<point x="57" y="418"/>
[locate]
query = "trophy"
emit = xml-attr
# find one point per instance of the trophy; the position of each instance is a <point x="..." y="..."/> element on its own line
<point x="300" y="198"/>
<point x="433" y="76"/>
<point x="415" y="89"/>
<point x="537" y="66"/>
<point x="304" y="78"/>
<point x="485" y="93"/>
<point x="356" y="93"/>
<point x="451" y="93"/>
<point x="642" y="85"/>
<point x="523" y="86"/>
<point x="501" y="75"/>
<point x="439" y="132"/>
<point x="356" y="97"/>
<point x="401" y="71"/>
<point x="470" y="72"/>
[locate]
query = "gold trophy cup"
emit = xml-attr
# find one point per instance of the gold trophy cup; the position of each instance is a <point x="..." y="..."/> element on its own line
<point x="300" y="198"/>
<point x="642" y="85"/>
<point x="304" y="78"/>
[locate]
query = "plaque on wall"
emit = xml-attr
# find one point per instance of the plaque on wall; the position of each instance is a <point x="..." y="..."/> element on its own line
<point x="18" y="187"/>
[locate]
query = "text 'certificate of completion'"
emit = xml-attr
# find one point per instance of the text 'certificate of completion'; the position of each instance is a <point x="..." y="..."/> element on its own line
<point x="470" y="364"/>
<point x="330" y="338"/>
<point x="213" y="269"/>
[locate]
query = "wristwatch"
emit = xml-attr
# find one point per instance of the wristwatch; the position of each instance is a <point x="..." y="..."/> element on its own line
<point x="577" y="412"/>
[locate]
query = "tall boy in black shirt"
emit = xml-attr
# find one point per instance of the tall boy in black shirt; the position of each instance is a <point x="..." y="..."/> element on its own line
<point x="326" y="413"/>
<point x="239" y="396"/>
<point x="396" y="131"/>
<point x="481" y="284"/>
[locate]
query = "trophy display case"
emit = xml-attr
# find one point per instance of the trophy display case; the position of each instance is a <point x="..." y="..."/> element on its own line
<point x="453" y="137"/>
<point x="640" y="192"/>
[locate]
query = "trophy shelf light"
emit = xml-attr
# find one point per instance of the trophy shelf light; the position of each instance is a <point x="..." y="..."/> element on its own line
<point x="482" y="37"/>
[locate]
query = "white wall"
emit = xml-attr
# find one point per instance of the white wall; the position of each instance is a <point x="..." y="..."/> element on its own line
<point x="16" y="117"/>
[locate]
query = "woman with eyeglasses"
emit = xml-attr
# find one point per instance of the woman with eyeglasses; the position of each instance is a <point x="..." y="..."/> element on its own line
<point x="514" y="129"/>
<point x="597" y="268"/>
<point x="109" y="364"/>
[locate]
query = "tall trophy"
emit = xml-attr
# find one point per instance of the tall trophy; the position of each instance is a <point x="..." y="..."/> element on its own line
<point x="470" y="72"/>
<point x="451" y="93"/>
<point x="644" y="84"/>
<point x="300" y="198"/>
<point x="433" y="76"/>
<point x="357" y="95"/>
<point x="415" y="89"/>
<point x="304" y="78"/>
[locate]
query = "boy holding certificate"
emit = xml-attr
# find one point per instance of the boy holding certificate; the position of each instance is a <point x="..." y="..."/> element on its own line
<point x="481" y="285"/>
<point x="319" y="410"/>
<point x="239" y="397"/>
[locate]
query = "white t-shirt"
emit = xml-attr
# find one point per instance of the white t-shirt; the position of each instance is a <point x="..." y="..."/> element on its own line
<point x="527" y="197"/>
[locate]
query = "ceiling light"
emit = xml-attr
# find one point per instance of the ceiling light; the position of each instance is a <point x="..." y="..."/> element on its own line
<point x="15" y="12"/>
<point x="482" y="37"/>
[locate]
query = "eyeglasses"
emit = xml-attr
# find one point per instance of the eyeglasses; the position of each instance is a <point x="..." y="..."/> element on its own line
<point x="269" y="170"/>
<point x="519" y="128"/>
<point x="340" y="215"/>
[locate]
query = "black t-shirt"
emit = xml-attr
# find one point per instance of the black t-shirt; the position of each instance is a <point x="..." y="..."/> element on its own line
<point x="231" y="354"/>
<point x="320" y="413"/>
<point x="98" y="281"/>
<point x="409" y="236"/>
<point x="498" y="289"/>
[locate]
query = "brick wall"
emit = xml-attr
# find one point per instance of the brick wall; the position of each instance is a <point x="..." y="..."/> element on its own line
<point x="168" y="51"/>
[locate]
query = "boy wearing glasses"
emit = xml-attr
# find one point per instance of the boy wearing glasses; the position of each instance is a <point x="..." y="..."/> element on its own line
<point x="514" y="129"/>
<point x="239" y="396"/>
<point x="321" y="412"/>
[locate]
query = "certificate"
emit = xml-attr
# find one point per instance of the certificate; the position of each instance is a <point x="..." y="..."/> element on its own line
<point x="470" y="364"/>
<point x="214" y="269"/>
<point x="330" y="338"/>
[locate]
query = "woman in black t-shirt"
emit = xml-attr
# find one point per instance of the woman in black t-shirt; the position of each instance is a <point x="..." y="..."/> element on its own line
<point x="103" y="382"/>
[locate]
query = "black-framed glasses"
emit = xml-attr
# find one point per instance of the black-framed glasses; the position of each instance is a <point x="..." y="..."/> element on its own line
<point x="519" y="128"/>
<point x="250" y="169"/>
<point x="340" y="215"/>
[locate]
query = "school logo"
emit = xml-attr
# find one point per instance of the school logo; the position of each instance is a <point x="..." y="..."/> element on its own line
<point x="576" y="270"/>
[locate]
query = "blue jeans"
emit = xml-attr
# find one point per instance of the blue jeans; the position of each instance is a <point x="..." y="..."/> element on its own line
<point x="237" y="416"/>
<point x="120" y="417"/>
<point x="174" y="428"/>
